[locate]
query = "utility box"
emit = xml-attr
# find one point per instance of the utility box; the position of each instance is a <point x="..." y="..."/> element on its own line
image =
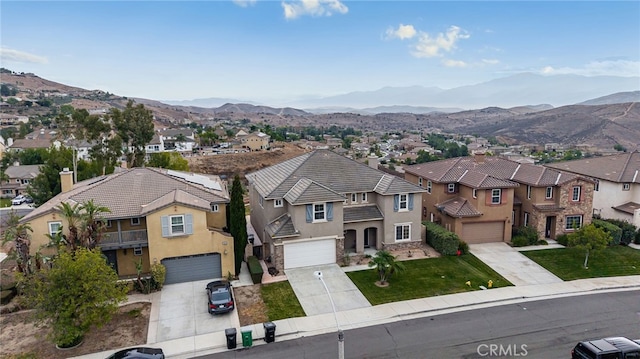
<point x="231" y="335"/>
<point x="269" y="332"/>
<point x="247" y="338"/>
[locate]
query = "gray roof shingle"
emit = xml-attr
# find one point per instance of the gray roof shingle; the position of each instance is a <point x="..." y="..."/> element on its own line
<point x="362" y="213"/>
<point x="281" y="227"/>
<point x="620" y="168"/>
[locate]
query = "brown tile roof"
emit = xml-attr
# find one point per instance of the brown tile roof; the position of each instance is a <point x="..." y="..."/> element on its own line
<point x="35" y="143"/>
<point x="628" y="207"/>
<point x="620" y="168"/>
<point x="458" y="207"/>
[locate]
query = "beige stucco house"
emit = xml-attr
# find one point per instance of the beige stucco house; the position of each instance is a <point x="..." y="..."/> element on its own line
<point x="156" y="216"/>
<point x="254" y="141"/>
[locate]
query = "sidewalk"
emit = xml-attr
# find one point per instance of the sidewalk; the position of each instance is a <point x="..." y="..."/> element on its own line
<point x="294" y="328"/>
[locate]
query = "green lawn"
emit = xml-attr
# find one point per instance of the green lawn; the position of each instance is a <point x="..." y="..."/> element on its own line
<point x="566" y="263"/>
<point x="428" y="277"/>
<point x="5" y="202"/>
<point x="281" y="301"/>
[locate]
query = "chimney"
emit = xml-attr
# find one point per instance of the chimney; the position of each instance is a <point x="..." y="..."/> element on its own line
<point x="373" y="161"/>
<point x="66" y="180"/>
<point x="479" y="157"/>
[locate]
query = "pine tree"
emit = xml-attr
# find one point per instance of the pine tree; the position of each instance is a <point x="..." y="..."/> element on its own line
<point x="237" y="222"/>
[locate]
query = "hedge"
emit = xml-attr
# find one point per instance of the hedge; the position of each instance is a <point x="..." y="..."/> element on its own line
<point x="255" y="269"/>
<point x="443" y="241"/>
<point x="527" y="236"/>
<point x="629" y="231"/>
<point x="612" y="229"/>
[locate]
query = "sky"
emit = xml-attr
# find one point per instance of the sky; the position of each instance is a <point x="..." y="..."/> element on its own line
<point x="290" y="50"/>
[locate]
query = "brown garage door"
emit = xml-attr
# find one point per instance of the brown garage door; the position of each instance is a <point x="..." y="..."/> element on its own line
<point x="484" y="232"/>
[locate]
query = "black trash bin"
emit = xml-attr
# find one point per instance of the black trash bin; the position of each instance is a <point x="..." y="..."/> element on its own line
<point x="269" y="332"/>
<point x="231" y="335"/>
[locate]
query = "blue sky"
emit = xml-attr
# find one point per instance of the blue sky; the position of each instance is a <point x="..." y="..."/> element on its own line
<point x="286" y="50"/>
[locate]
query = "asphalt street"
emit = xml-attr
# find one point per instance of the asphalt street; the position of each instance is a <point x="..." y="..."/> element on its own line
<point x="541" y="329"/>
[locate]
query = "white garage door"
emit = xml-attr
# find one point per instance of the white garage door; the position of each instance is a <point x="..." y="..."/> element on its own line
<point x="309" y="253"/>
<point x="485" y="232"/>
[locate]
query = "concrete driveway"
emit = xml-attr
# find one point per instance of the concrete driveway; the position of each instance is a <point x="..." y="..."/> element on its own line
<point x="183" y="313"/>
<point x="512" y="265"/>
<point x="312" y="295"/>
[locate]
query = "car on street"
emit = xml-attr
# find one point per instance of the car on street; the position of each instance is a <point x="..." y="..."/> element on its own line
<point x="606" y="348"/>
<point x="219" y="297"/>
<point x="138" y="353"/>
<point x="18" y="200"/>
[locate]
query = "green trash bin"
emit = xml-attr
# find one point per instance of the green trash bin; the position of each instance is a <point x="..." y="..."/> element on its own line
<point x="247" y="338"/>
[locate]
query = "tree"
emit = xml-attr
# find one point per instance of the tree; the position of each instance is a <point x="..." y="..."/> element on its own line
<point x="80" y="291"/>
<point x="237" y="222"/>
<point x="386" y="264"/>
<point x="168" y="160"/>
<point x="93" y="225"/>
<point x="17" y="234"/>
<point x="71" y="213"/>
<point x="134" y="126"/>
<point x="589" y="238"/>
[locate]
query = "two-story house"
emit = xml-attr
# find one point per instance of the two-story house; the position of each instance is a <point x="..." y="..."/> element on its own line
<point x="18" y="178"/>
<point x="317" y="207"/>
<point x="156" y="216"/>
<point x="481" y="198"/>
<point x="254" y="141"/>
<point x="617" y="184"/>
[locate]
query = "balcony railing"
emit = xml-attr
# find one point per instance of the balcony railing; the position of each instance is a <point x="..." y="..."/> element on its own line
<point x="124" y="239"/>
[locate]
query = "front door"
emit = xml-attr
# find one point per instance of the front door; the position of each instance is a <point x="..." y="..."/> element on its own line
<point x="366" y="238"/>
<point x="548" y="229"/>
<point x="112" y="259"/>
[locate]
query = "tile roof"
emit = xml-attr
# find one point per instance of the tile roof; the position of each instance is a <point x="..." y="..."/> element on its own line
<point x="628" y="207"/>
<point x="458" y="207"/>
<point x="35" y="143"/>
<point x="137" y="191"/>
<point x="308" y="191"/>
<point x="22" y="171"/>
<point x="362" y="213"/>
<point x="337" y="173"/>
<point x="281" y="227"/>
<point x="620" y="168"/>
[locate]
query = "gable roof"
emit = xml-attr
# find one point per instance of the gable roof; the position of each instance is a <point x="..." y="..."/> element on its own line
<point x="336" y="173"/>
<point x="620" y="168"/>
<point x="458" y="207"/>
<point x="137" y="191"/>
<point x="23" y="171"/>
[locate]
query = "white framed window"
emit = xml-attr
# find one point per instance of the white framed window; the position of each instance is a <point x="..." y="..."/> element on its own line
<point x="496" y="196"/>
<point x="626" y="186"/>
<point x="54" y="227"/>
<point x="549" y="193"/>
<point x="474" y="193"/>
<point x="176" y="225"/>
<point x="363" y="197"/>
<point x="573" y="222"/>
<point x="319" y="212"/>
<point x="354" y="198"/>
<point x="403" y="231"/>
<point x="575" y="196"/>
<point x="420" y="181"/>
<point x="451" y="187"/>
<point x="403" y="202"/>
<point x="215" y="207"/>
<point x="277" y="203"/>
<point x="528" y="192"/>
<point x="526" y="219"/>
<point x="135" y="221"/>
<point x="137" y="251"/>
<point x="429" y="186"/>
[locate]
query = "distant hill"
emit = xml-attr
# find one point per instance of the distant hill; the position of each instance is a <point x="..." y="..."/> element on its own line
<point x="247" y="108"/>
<point x="620" y="97"/>
<point x="210" y="102"/>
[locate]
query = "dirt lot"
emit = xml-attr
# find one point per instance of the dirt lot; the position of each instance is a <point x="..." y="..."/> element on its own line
<point x="251" y="308"/>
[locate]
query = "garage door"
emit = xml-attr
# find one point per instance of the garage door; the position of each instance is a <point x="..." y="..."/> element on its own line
<point x="485" y="232"/>
<point x="190" y="268"/>
<point x="309" y="253"/>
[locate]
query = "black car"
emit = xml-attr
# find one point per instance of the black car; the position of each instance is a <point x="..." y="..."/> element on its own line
<point x="607" y="348"/>
<point x="138" y="353"/>
<point x="219" y="297"/>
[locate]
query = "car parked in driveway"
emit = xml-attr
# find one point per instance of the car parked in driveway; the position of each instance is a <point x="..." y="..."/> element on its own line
<point x="607" y="348"/>
<point x="219" y="297"/>
<point x="18" y="200"/>
<point x="138" y="353"/>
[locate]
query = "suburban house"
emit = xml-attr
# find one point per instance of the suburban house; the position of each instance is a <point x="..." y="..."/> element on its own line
<point x="18" y="178"/>
<point x="481" y="198"/>
<point x="254" y="141"/>
<point x="617" y="188"/>
<point x="318" y="207"/>
<point x="156" y="216"/>
<point x="177" y="139"/>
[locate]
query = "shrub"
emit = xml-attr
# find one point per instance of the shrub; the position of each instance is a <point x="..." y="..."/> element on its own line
<point x="563" y="239"/>
<point x="542" y="242"/>
<point x="614" y="231"/>
<point x="158" y="274"/>
<point x="463" y="247"/>
<point x="628" y="230"/>
<point x="255" y="269"/>
<point x="443" y="241"/>
<point x="637" y="240"/>
<point x="529" y="234"/>
<point x="519" y="241"/>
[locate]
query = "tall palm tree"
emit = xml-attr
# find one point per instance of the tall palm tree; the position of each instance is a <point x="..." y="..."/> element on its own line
<point x="72" y="213"/>
<point x="18" y="235"/>
<point x="386" y="264"/>
<point x="93" y="224"/>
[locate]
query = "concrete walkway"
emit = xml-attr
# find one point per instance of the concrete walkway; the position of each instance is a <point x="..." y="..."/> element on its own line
<point x="512" y="265"/>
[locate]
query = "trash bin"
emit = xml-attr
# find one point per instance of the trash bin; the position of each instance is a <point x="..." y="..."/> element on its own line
<point x="231" y="335"/>
<point x="247" y="339"/>
<point x="269" y="332"/>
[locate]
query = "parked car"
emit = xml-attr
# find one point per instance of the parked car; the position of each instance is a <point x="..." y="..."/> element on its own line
<point x="138" y="353"/>
<point x="18" y="200"/>
<point x="28" y="199"/>
<point x="607" y="348"/>
<point x="219" y="297"/>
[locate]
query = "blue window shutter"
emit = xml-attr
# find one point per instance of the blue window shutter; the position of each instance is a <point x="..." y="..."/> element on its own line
<point x="309" y="213"/>
<point x="411" y="201"/>
<point x="396" y="202"/>
<point x="165" y="225"/>
<point x="329" y="211"/>
<point x="188" y="224"/>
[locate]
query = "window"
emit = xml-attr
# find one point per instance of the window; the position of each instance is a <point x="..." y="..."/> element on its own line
<point x="215" y="207"/>
<point x="576" y="194"/>
<point x="428" y="186"/>
<point x="177" y="225"/>
<point x="54" y="227"/>
<point x="528" y="192"/>
<point x="549" y="194"/>
<point x="451" y="187"/>
<point x="318" y="212"/>
<point x="432" y="217"/>
<point x="364" y="197"/>
<point x="135" y="221"/>
<point x="626" y="186"/>
<point x="496" y="195"/>
<point x="573" y="222"/>
<point x="137" y="251"/>
<point x="403" y="204"/>
<point x="526" y="219"/>
<point x="596" y="186"/>
<point x="354" y="198"/>
<point x="420" y="181"/>
<point x="261" y="201"/>
<point x="403" y="232"/>
<point x="109" y="223"/>
<point x="277" y="203"/>
<point x="474" y="193"/>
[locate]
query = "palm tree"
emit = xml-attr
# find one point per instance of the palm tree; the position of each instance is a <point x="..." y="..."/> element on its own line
<point x="56" y="241"/>
<point x="386" y="264"/>
<point x="93" y="224"/>
<point x="18" y="234"/>
<point x="72" y="214"/>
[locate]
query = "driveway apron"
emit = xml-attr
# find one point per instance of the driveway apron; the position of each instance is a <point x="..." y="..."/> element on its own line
<point x="511" y="264"/>
<point x="313" y="296"/>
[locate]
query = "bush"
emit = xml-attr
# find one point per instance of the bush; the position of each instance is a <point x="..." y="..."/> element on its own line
<point x="628" y="230"/>
<point x="563" y="239"/>
<point x="637" y="240"/>
<point x="542" y="242"/>
<point x="463" y="247"/>
<point x="255" y="269"/>
<point x="614" y="231"/>
<point x="158" y="273"/>
<point x="443" y="241"/>
<point x="519" y="241"/>
<point x="529" y="234"/>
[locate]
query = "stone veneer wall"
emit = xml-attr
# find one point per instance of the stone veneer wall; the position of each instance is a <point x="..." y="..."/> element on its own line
<point x="277" y="258"/>
<point x="402" y="245"/>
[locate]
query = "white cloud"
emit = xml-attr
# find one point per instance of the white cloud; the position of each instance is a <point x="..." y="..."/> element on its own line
<point x="402" y="32"/>
<point x="244" y="3"/>
<point x="490" y="61"/>
<point x="598" y="68"/>
<point x="293" y="10"/>
<point x="19" y="56"/>
<point x="432" y="46"/>
<point x="454" y="63"/>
